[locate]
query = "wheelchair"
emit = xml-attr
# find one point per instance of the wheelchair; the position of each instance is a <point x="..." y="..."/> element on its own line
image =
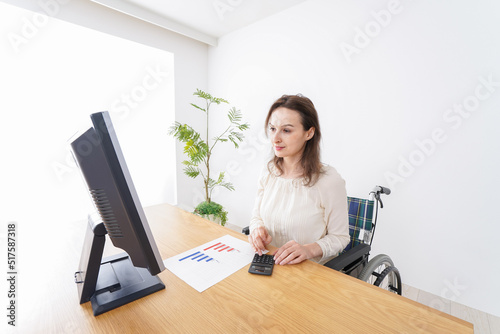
<point x="354" y="259"/>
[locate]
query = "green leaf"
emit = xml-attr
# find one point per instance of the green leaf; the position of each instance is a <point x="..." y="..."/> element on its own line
<point x="183" y="132"/>
<point x="195" y="152"/>
<point x="192" y="171"/>
<point x="194" y="105"/>
<point x="219" y="100"/>
<point x="195" y="148"/>
<point x="212" y="208"/>
<point x="221" y="177"/>
<point x="173" y="130"/>
<point x="232" y="139"/>
<point x="243" y="127"/>
<point x="211" y="183"/>
<point x="189" y="163"/>
<point x="229" y="186"/>
<point x="234" y="115"/>
<point x="238" y="135"/>
<point x="202" y="94"/>
<point x="209" y="97"/>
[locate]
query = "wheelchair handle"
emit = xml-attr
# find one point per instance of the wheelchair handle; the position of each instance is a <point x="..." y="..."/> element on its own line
<point x="375" y="194"/>
<point x="381" y="190"/>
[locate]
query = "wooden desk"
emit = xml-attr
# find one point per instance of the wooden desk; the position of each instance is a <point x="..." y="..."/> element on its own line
<point x="303" y="298"/>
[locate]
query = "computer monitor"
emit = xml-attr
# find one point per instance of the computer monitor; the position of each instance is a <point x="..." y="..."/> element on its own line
<point x="114" y="281"/>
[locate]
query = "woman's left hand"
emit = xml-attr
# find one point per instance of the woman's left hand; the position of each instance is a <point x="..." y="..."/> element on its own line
<point x="292" y="252"/>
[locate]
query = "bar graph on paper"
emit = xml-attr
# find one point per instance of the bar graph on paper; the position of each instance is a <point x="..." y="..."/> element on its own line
<point x="210" y="263"/>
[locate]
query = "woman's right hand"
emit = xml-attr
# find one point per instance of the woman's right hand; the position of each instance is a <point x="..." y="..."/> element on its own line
<point x="259" y="239"/>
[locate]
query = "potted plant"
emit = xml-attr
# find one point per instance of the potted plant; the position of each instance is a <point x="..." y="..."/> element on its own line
<point x="199" y="151"/>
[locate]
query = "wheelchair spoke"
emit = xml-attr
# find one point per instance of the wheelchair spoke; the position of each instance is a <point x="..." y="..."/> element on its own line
<point x="393" y="288"/>
<point x="381" y="272"/>
<point x="390" y="280"/>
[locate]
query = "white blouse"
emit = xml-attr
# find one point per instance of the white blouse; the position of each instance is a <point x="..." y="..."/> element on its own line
<point x="289" y="210"/>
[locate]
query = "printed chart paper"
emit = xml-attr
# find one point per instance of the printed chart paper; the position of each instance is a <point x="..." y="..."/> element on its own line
<point x="210" y="263"/>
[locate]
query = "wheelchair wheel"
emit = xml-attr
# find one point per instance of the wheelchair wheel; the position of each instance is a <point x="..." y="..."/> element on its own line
<point x="380" y="271"/>
<point x="390" y="280"/>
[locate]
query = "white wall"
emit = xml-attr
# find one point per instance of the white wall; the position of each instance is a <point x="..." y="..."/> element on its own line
<point x="190" y="60"/>
<point x="388" y="106"/>
<point x="54" y="82"/>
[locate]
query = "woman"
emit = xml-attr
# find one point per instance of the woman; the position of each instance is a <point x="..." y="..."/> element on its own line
<point x="301" y="204"/>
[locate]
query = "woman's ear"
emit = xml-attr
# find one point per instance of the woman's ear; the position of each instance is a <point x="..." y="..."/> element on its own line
<point x="310" y="133"/>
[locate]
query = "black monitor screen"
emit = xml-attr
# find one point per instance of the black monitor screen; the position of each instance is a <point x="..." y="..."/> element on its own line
<point x="121" y="217"/>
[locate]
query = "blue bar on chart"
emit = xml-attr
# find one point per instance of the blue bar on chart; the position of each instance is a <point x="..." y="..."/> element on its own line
<point x="187" y="257"/>
<point x="197" y="255"/>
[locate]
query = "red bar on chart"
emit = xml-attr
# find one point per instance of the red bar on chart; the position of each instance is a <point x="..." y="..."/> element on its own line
<point x="216" y="248"/>
<point x="212" y="246"/>
<point x="220" y="250"/>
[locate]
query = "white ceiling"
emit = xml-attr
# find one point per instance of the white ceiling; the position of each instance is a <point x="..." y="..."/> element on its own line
<point x="204" y="20"/>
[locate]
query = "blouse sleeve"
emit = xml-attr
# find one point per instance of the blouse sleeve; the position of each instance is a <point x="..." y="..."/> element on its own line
<point x="256" y="220"/>
<point x="333" y="197"/>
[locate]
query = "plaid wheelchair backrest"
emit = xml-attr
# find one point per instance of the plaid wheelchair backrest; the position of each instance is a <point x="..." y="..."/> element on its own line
<point x="360" y="219"/>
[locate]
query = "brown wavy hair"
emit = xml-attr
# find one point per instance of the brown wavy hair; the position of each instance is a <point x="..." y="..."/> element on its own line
<point x="310" y="160"/>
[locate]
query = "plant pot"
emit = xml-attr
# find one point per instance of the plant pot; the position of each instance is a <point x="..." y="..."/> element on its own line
<point x="212" y="211"/>
<point x="213" y="218"/>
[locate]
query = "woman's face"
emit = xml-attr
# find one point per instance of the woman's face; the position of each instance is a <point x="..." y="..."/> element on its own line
<point x="287" y="134"/>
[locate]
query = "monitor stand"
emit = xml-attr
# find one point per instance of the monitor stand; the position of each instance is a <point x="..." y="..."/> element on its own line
<point x="113" y="281"/>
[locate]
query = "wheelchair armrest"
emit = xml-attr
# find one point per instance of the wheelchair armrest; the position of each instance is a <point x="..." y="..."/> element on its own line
<point x="246" y="230"/>
<point x="345" y="259"/>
